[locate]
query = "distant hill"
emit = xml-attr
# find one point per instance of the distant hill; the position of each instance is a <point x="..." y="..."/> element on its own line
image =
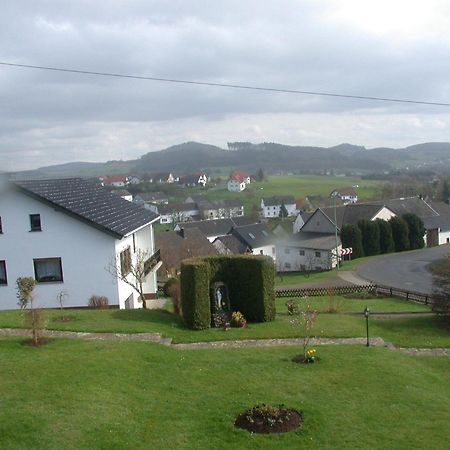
<point x="271" y="157"/>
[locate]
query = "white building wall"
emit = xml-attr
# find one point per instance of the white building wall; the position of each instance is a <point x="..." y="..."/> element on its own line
<point x="298" y="259"/>
<point x="267" y="250"/>
<point x="235" y="186"/>
<point x="444" y="237"/>
<point x="384" y="214"/>
<point x="84" y="251"/>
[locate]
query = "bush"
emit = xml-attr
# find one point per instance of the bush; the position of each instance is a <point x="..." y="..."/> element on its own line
<point x="98" y="302"/>
<point x="250" y="282"/>
<point x="351" y="237"/>
<point x="172" y="289"/>
<point x="370" y="237"/>
<point x="416" y="231"/>
<point x="400" y="234"/>
<point x="386" y="240"/>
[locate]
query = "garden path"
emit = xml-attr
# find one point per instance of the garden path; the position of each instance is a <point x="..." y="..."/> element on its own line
<point x="157" y="338"/>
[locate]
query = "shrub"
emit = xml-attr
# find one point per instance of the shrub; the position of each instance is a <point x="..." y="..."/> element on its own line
<point x="400" y="234"/>
<point x="351" y="237"/>
<point x="370" y="237"/>
<point x="172" y="290"/>
<point x="25" y="287"/>
<point x="238" y="320"/>
<point x="36" y="319"/>
<point x="416" y="231"/>
<point x="195" y="303"/>
<point x="250" y="282"/>
<point x="386" y="240"/>
<point x="292" y="307"/>
<point x="98" y="302"/>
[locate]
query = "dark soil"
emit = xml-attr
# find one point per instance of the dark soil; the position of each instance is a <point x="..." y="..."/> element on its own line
<point x="40" y="342"/>
<point x="254" y="421"/>
<point x="300" y="359"/>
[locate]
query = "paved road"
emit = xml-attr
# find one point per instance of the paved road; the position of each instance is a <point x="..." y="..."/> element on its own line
<point x="404" y="270"/>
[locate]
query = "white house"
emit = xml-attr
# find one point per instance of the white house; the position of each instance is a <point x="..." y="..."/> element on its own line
<point x="65" y="233"/>
<point x="258" y="239"/>
<point x="235" y="185"/>
<point x="307" y="252"/>
<point x="271" y="206"/>
<point x="178" y="212"/>
<point x="347" y="195"/>
<point x="115" y="180"/>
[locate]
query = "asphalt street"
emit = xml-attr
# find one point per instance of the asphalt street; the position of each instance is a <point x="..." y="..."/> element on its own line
<point x="408" y="270"/>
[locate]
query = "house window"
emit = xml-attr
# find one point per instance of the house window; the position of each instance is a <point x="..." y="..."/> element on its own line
<point x="3" y="278"/>
<point x="302" y="267"/>
<point x="301" y="252"/>
<point x="35" y="222"/>
<point x="47" y="270"/>
<point x="261" y="252"/>
<point x="318" y="255"/>
<point x="287" y="265"/>
<point x="125" y="261"/>
<point x="287" y="251"/>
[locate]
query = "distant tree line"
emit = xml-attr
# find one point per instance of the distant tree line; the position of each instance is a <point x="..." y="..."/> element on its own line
<point x="376" y="237"/>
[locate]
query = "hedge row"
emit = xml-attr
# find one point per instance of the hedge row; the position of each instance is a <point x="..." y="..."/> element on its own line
<point x="250" y="281"/>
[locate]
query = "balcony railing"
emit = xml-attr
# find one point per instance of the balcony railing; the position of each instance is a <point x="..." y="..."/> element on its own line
<point x="151" y="262"/>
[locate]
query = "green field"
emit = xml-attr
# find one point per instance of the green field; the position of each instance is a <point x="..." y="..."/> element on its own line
<point x="298" y="186"/>
<point x="76" y="394"/>
<point x="135" y="395"/>
<point x="415" y="331"/>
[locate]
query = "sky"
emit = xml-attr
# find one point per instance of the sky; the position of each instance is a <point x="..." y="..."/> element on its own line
<point x="383" y="48"/>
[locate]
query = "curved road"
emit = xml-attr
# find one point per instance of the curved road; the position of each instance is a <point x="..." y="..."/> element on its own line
<point x="406" y="270"/>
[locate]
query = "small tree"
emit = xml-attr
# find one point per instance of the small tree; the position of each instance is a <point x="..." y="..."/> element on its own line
<point x="370" y="237"/>
<point x="304" y="320"/>
<point x="416" y="230"/>
<point x="172" y="290"/>
<point x="34" y="318"/>
<point x="386" y="239"/>
<point x="61" y="298"/>
<point x="133" y="272"/>
<point x="283" y="211"/>
<point x="351" y="237"/>
<point x="259" y="176"/>
<point x="400" y="234"/>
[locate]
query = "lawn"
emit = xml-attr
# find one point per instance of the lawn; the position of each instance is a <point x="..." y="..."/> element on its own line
<point x="406" y="331"/>
<point x="132" y="395"/>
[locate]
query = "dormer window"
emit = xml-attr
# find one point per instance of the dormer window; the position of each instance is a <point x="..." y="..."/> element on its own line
<point x="35" y="222"/>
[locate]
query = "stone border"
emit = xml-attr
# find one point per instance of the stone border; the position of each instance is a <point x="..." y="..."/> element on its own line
<point x="157" y="338"/>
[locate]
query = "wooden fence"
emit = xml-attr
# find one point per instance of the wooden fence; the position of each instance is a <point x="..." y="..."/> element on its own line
<point x="322" y="291"/>
<point x="418" y="297"/>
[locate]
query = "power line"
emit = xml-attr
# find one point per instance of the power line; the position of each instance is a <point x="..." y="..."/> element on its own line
<point x="226" y="85"/>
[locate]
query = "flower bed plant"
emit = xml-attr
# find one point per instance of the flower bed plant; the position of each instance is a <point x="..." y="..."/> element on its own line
<point x="269" y="419"/>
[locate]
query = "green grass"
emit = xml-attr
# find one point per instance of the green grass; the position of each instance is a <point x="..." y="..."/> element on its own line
<point x="409" y="332"/>
<point x="133" y="395"/>
<point x="295" y="185"/>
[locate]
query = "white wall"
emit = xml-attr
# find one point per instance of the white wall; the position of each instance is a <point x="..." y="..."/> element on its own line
<point x="444" y="237"/>
<point x="290" y="259"/>
<point x="84" y="252"/>
<point x="384" y="214"/>
<point x="268" y="250"/>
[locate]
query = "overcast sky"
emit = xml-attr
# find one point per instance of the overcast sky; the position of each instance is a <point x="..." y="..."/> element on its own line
<point x="384" y="48"/>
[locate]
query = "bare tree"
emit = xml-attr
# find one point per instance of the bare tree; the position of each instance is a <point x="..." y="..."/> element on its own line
<point x="61" y="297"/>
<point x="131" y="271"/>
<point x="304" y="320"/>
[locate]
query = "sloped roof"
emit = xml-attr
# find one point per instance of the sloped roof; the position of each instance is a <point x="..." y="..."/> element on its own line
<point x="177" y="207"/>
<point x="217" y="227"/>
<point x="178" y="245"/>
<point x="153" y="196"/>
<point x="441" y="221"/>
<point x="233" y="244"/>
<point x="414" y="205"/>
<point x="313" y="241"/>
<point x="351" y="214"/>
<point x="89" y="202"/>
<point x="254" y="235"/>
<point x="278" y="200"/>
<point x="346" y="191"/>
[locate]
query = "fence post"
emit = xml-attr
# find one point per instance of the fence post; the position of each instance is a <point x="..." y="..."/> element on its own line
<point x="426" y="299"/>
<point x="407" y="295"/>
<point x="390" y="291"/>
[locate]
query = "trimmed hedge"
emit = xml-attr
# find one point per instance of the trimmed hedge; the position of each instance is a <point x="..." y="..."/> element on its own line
<point x="250" y="281"/>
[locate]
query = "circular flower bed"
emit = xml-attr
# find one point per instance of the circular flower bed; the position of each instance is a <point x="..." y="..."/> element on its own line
<point x="269" y="419"/>
<point x="308" y="358"/>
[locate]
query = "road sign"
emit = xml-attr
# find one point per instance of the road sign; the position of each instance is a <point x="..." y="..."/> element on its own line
<point x="346" y="251"/>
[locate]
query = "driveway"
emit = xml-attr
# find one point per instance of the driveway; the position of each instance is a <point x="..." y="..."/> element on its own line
<point x="406" y="270"/>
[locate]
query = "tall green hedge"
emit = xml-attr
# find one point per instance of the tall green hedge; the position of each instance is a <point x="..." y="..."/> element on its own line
<point x="250" y="281"/>
<point x="195" y="303"/>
